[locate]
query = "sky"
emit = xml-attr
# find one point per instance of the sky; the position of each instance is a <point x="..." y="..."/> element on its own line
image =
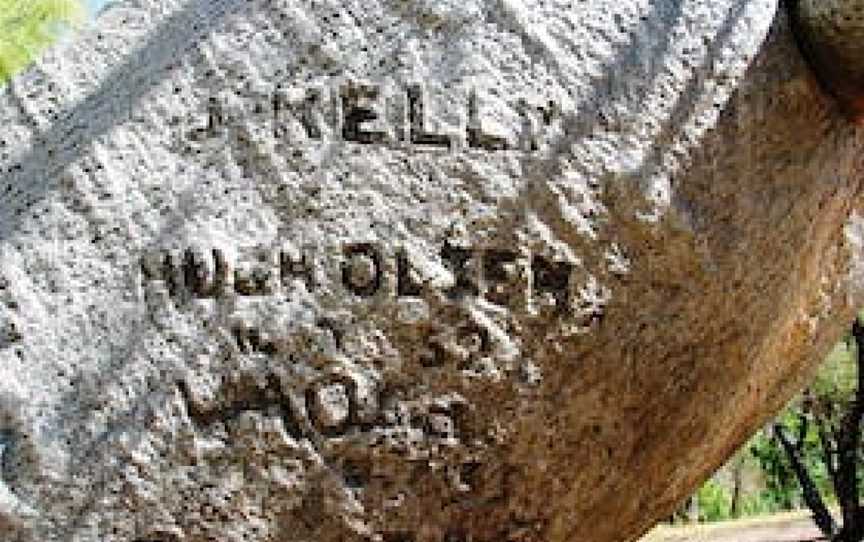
<point x="95" y="5"/>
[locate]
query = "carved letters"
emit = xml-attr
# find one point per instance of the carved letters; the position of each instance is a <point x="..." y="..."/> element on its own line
<point x="358" y="113"/>
<point x="500" y="276"/>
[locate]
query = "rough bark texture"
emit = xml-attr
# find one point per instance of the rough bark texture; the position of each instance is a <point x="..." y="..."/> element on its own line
<point x="258" y="285"/>
<point x="832" y="38"/>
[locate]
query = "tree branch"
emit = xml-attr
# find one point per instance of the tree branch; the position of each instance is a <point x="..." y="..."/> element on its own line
<point x="814" y="501"/>
<point x="848" y="438"/>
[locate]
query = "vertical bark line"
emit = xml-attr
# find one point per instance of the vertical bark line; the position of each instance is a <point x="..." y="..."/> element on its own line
<point x="736" y="488"/>
<point x="821" y="515"/>
<point x="848" y="443"/>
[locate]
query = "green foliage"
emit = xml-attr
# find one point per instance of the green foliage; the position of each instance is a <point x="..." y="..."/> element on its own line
<point x="837" y="378"/>
<point x="759" y="504"/>
<point x="780" y="487"/>
<point x="782" y="491"/>
<point x="832" y="394"/>
<point x="715" y="502"/>
<point x="28" y="26"/>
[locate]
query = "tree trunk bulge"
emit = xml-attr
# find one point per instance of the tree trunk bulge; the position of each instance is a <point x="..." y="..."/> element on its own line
<point x="414" y="270"/>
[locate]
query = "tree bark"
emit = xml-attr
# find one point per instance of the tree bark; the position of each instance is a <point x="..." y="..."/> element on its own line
<point x="821" y="515"/>
<point x="848" y="441"/>
<point x="737" y="482"/>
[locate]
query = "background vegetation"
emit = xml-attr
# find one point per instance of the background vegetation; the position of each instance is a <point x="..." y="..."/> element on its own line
<point x="28" y="26"/>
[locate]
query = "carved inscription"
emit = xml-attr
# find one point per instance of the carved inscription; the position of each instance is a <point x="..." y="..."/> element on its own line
<point x="500" y="276"/>
<point x="333" y="407"/>
<point x="361" y="270"/>
<point x="206" y="274"/>
<point x="356" y="112"/>
<point x="362" y="113"/>
<point x="416" y="118"/>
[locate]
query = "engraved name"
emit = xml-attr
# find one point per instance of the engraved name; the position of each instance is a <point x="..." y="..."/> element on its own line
<point x="362" y="113"/>
<point x="365" y="270"/>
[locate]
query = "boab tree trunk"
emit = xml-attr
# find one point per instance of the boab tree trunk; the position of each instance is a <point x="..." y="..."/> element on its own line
<point x="831" y="36"/>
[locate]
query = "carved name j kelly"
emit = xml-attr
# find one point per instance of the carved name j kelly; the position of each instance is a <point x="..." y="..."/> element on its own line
<point x="361" y="113"/>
